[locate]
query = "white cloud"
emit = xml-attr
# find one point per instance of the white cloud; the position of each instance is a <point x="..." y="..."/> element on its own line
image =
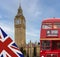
<point x="0" y="16"/>
<point x="37" y="13"/>
<point x="30" y="33"/>
<point x="31" y="9"/>
<point x="8" y="29"/>
<point x="9" y="7"/>
<point x="33" y="35"/>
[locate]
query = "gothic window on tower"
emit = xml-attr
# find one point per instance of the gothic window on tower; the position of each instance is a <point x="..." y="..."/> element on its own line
<point x="23" y="21"/>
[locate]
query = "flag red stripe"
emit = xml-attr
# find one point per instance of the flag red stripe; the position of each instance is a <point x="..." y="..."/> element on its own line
<point x="4" y="46"/>
<point x="14" y="48"/>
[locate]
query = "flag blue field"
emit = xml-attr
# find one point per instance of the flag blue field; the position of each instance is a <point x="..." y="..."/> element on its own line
<point x="8" y="48"/>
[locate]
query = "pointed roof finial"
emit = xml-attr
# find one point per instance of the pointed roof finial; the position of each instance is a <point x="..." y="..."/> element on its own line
<point x="20" y="11"/>
<point x="19" y="3"/>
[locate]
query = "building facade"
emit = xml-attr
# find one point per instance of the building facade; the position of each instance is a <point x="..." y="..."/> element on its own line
<point x="32" y="49"/>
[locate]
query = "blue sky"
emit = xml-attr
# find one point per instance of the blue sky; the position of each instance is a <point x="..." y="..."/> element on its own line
<point x="34" y="11"/>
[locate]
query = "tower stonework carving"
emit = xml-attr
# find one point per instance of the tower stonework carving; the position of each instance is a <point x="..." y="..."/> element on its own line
<point x="20" y="28"/>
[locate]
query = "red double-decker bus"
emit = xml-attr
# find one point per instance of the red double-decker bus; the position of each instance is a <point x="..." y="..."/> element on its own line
<point x="50" y="38"/>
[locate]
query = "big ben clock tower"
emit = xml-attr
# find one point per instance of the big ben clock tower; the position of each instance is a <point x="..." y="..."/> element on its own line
<point x="20" y="28"/>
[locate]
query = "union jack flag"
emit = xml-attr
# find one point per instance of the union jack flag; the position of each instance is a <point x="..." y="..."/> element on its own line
<point x="8" y="48"/>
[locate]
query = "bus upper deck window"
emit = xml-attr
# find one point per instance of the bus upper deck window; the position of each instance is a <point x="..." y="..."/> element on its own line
<point x="46" y="26"/>
<point x="56" y="25"/>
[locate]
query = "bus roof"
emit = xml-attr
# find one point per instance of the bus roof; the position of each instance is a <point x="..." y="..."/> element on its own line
<point x="51" y="20"/>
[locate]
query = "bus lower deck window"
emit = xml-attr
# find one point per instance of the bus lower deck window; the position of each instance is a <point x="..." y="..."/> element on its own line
<point x="45" y="45"/>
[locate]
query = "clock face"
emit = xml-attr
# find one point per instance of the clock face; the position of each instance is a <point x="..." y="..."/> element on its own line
<point x="18" y="21"/>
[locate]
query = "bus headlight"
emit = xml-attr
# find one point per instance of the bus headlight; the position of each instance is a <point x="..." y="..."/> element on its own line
<point x="48" y="32"/>
<point x="42" y="56"/>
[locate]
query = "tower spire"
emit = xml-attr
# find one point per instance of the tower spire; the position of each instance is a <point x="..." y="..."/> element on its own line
<point x="19" y="3"/>
<point x="19" y="23"/>
<point x="20" y="12"/>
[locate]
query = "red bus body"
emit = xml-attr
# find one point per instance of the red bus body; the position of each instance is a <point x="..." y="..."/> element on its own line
<point x="50" y="38"/>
